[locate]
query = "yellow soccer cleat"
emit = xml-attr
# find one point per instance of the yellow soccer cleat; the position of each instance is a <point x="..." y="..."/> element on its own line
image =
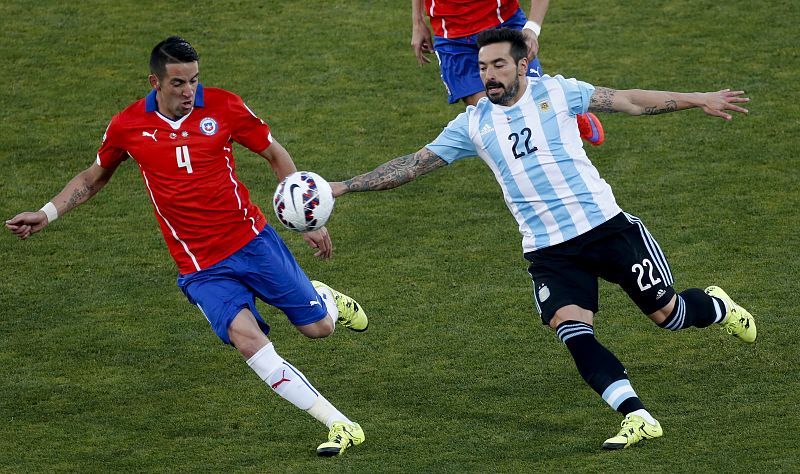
<point x="634" y="429"/>
<point x="351" y="314"/>
<point x="738" y="322"/>
<point x="341" y="436"/>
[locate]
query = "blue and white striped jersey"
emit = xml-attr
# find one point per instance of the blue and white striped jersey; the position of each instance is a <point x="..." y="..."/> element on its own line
<point x="536" y="153"/>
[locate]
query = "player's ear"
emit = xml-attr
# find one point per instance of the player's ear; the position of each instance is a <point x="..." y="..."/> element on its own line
<point x="153" y="81"/>
<point x="522" y="67"/>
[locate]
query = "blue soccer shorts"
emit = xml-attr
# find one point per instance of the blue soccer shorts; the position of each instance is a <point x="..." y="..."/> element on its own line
<point x="458" y="61"/>
<point x="264" y="268"/>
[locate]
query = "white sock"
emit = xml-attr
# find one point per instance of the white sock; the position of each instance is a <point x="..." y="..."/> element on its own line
<point x="644" y="414"/>
<point x="326" y="413"/>
<point x="284" y="379"/>
<point x="291" y="385"/>
<point x="330" y="303"/>
<point x="721" y="313"/>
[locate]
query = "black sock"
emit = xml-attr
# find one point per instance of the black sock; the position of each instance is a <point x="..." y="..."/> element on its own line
<point x="599" y="367"/>
<point x="693" y="307"/>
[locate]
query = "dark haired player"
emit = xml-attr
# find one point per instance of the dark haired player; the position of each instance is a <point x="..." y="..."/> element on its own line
<point x="181" y="137"/>
<point x="573" y="231"/>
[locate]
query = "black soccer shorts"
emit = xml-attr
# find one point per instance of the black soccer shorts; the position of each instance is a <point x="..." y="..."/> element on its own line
<point x="620" y="251"/>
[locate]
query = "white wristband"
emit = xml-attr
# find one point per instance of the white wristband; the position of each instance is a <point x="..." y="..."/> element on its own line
<point x="50" y="211"/>
<point x="533" y="26"/>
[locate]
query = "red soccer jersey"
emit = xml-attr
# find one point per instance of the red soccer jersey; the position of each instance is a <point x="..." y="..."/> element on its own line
<point x="187" y="165"/>
<point x="460" y="18"/>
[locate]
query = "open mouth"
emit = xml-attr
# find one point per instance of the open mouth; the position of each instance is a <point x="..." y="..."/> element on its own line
<point x="493" y="89"/>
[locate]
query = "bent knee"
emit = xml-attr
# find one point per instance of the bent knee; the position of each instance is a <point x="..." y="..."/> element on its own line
<point x="322" y="328"/>
<point x="662" y="314"/>
<point x="572" y="313"/>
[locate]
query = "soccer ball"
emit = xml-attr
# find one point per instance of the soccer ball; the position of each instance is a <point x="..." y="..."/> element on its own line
<point x="303" y="201"/>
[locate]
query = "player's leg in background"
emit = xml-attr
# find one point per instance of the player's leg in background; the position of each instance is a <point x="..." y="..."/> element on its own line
<point x="649" y="284"/>
<point x="272" y="273"/>
<point x="459" y="70"/>
<point x="694" y="307"/>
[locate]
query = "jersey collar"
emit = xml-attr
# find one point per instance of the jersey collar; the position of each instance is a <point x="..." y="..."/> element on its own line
<point x="150" y="104"/>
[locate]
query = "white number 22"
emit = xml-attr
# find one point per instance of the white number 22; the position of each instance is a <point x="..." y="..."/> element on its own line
<point x="182" y="155"/>
<point x="639" y="268"/>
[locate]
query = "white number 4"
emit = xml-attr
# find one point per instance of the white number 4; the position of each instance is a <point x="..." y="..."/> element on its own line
<point x="182" y="155"/>
<point x="640" y="269"/>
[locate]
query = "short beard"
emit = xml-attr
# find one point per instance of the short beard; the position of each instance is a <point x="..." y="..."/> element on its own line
<point x="508" y="94"/>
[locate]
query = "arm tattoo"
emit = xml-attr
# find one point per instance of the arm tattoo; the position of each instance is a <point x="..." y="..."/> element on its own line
<point x="81" y="195"/>
<point x="396" y="172"/>
<point x="669" y="106"/>
<point x="602" y="100"/>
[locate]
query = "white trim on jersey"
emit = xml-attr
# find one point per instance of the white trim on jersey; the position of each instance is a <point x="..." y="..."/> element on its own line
<point x="497" y="11"/>
<point x="172" y="229"/>
<point x="236" y="193"/>
<point x="175" y="124"/>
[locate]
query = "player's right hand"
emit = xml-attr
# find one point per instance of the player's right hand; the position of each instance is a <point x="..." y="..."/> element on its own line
<point x="25" y="224"/>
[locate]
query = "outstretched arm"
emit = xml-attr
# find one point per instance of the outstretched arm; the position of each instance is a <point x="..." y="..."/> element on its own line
<point x="392" y="174"/>
<point x="646" y="102"/>
<point x="77" y="191"/>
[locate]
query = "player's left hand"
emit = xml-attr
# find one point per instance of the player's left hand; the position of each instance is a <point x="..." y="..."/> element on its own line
<point x="715" y="103"/>
<point x="320" y="239"/>
<point x="533" y="43"/>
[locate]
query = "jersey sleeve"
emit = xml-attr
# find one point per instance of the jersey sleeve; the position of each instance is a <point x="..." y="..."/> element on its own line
<point x="577" y="93"/>
<point x="454" y="142"/>
<point x="248" y="129"/>
<point x="111" y="153"/>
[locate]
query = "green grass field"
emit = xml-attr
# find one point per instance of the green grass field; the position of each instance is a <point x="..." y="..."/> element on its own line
<point x="104" y="366"/>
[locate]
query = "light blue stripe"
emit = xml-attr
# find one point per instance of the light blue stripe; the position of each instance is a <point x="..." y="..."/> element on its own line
<point x="576" y="184"/>
<point x="522" y="202"/>
<point x="536" y="171"/>
<point x="565" y="162"/>
<point x="625" y="395"/>
<point x="628" y="393"/>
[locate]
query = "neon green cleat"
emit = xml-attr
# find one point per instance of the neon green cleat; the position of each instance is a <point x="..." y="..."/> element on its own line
<point x="341" y="436"/>
<point x="738" y="322"/>
<point x="634" y="429"/>
<point x="351" y="315"/>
